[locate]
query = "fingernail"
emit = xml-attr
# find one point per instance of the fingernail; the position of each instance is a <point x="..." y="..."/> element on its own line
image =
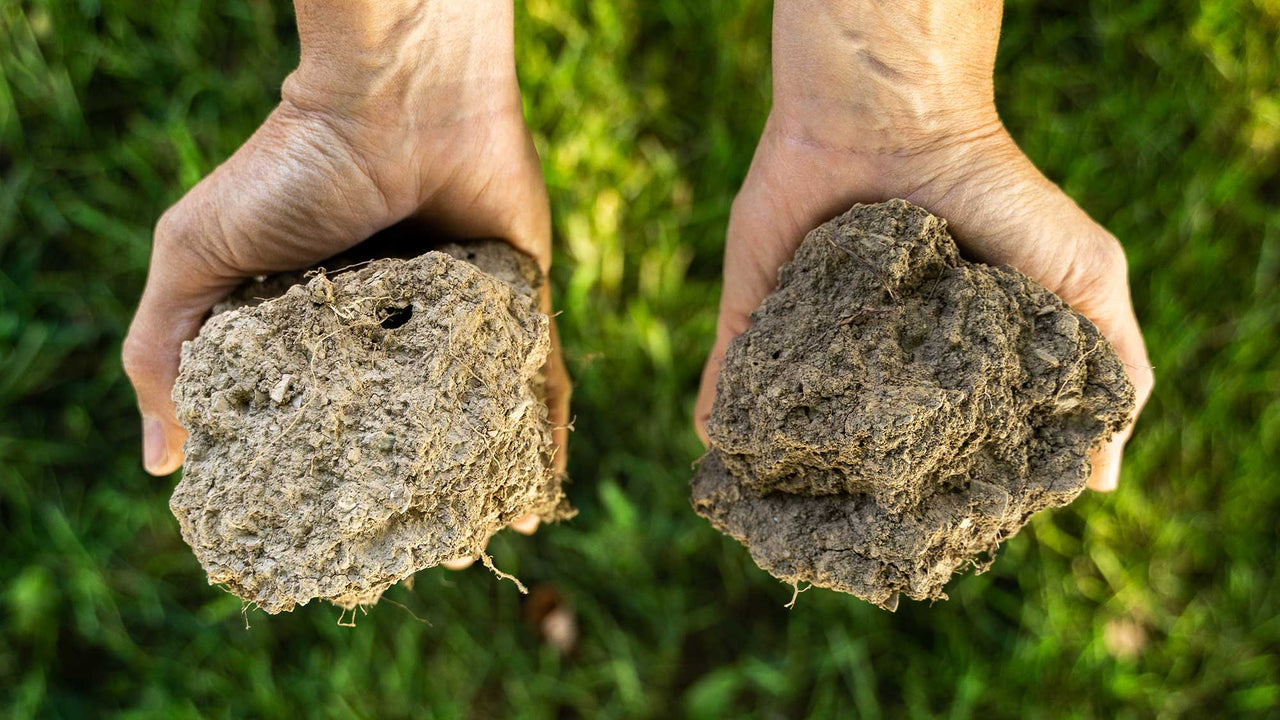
<point x="1110" y="478"/>
<point x="526" y="525"/>
<point x="1106" y="470"/>
<point x="154" y="449"/>
<point x="458" y="563"/>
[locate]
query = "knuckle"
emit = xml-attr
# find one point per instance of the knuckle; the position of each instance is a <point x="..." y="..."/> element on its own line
<point x="1107" y="261"/>
<point x="1144" y="383"/>
<point x="190" y="236"/>
<point x="731" y="323"/>
<point x="174" y="226"/>
<point x="1098" y="269"/>
<point x="138" y="359"/>
<point x="1112" y="261"/>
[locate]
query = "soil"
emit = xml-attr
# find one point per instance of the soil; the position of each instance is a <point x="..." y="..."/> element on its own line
<point x="895" y="412"/>
<point x="362" y="425"/>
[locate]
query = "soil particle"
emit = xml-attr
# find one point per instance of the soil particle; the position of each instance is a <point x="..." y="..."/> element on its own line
<point x="360" y="426"/>
<point x="895" y="411"/>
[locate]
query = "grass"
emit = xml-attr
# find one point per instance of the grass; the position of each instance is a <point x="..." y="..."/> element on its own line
<point x="1161" y="117"/>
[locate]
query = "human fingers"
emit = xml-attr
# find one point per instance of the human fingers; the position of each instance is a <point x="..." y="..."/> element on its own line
<point x="275" y="204"/>
<point x="1002" y="210"/>
<point x="461" y="563"/>
<point x="179" y="292"/>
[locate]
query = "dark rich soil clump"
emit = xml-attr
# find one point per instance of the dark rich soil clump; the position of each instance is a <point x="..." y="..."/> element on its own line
<point x="895" y="411"/>
<point x="358" y="427"/>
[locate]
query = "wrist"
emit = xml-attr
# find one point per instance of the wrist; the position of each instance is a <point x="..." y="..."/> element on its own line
<point x="405" y="61"/>
<point x="854" y="76"/>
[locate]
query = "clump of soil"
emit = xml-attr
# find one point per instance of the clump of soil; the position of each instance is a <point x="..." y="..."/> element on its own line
<point x="895" y="411"/>
<point x="365" y="425"/>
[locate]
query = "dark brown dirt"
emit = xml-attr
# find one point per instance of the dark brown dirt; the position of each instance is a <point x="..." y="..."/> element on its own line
<point x="895" y="411"/>
<point x="365" y="425"/>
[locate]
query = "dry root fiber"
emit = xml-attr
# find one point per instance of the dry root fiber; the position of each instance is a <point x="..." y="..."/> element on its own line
<point x="895" y="412"/>
<point x="365" y="425"/>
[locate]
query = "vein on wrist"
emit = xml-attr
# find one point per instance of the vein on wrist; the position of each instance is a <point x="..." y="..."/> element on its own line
<point x="405" y="58"/>
<point x="878" y="76"/>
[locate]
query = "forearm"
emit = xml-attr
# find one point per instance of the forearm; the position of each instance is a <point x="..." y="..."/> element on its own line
<point x="875" y="75"/>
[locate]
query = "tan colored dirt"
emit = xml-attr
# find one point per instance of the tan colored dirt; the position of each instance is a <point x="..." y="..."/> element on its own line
<point x="895" y="411"/>
<point x="365" y="425"/>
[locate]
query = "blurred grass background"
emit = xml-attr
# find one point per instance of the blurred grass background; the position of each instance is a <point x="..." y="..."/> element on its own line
<point x="1161" y="117"/>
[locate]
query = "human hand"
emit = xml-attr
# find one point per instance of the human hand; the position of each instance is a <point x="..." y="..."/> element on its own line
<point x="873" y="104"/>
<point x="399" y="109"/>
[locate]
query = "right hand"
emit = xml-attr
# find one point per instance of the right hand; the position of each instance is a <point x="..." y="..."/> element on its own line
<point x="399" y="109"/>
<point x="869" y="107"/>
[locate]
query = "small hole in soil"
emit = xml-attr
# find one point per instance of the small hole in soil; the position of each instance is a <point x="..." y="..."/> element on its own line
<point x="397" y="317"/>
<point x="471" y="256"/>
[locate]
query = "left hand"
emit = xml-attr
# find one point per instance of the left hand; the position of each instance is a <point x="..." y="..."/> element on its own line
<point x="399" y="109"/>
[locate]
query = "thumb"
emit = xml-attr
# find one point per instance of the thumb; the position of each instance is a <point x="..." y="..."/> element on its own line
<point x="174" y="303"/>
<point x="293" y="194"/>
<point x="707" y="390"/>
<point x="731" y="325"/>
<point x="759" y="240"/>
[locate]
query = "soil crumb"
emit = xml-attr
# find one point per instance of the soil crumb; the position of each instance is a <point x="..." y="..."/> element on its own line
<point x="362" y="425"/>
<point x="895" y="412"/>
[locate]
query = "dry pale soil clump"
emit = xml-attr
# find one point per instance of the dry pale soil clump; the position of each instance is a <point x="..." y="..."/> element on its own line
<point x="364" y="425"/>
<point x="895" y="412"/>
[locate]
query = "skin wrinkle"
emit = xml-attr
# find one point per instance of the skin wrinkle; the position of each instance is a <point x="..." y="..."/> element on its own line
<point x="966" y="181"/>
<point x="398" y="110"/>
<point x="809" y="123"/>
<point x="337" y="179"/>
<point x="176" y="233"/>
<point x="482" y="191"/>
<point x="917" y="43"/>
<point x="839" y="133"/>
<point x="281" y="338"/>
<point x="884" y="72"/>
<point x="386" y="49"/>
<point x="353" y="155"/>
<point x="901" y="461"/>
